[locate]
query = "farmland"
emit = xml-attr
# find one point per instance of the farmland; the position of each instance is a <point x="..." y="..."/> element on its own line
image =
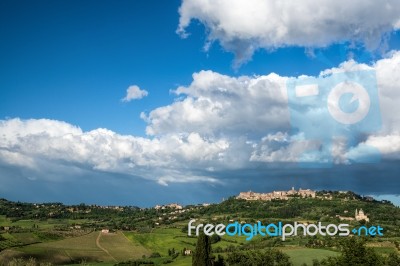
<point x="123" y="246"/>
<point x="60" y="235"/>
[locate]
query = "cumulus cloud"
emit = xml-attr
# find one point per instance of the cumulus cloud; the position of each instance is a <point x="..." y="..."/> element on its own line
<point x="243" y="26"/>
<point x="388" y="76"/>
<point x="35" y="143"/>
<point x="256" y="109"/>
<point x="134" y="93"/>
<point x="217" y="123"/>
<point x="214" y="104"/>
<point x="387" y="145"/>
<point x="281" y="147"/>
<point x="386" y="141"/>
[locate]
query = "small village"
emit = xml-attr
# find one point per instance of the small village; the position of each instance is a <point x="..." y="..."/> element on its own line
<point x="282" y="195"/>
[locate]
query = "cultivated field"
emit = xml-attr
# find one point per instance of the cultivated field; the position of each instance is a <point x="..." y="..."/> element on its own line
<point x="93" y="247"/>
<point x="299" y="255"/>
<point x="160" y="236"/>
<point x="160" y="240"/>
<point x="99" y="248"/>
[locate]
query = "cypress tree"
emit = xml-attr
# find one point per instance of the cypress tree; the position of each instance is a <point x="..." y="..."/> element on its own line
<point x="201" y="256"/>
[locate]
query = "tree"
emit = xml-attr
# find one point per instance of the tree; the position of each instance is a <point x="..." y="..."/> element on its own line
<point x="354" y="253"/>
<point x="265" y="257"/>
<point x="202" y="254"/>
<point x="316" y="262"/>
<point x="215" y="238"/>
<point x="393" y="260"/>
<point x="396" y="243"/>
<point x="220" y="261"/>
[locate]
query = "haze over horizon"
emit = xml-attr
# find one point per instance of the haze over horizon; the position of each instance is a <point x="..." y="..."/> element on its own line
<point x="152" y="102"/>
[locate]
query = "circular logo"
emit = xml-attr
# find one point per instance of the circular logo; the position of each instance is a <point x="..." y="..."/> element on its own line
<point x="359" y="94"/>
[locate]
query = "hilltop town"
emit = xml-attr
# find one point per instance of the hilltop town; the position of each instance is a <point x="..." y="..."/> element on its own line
<point x="282" y="195"/>
<point x="303" y="193"/>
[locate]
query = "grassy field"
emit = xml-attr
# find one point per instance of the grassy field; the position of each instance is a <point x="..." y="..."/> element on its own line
<point x="3" y="220"/>
<point x="42" y="224"/>
<point x="160" y="240"/>
<point x="121" y="248"/>
<point x="182" y="261"/>
<point x="68" y="250"/>
<point x="9" y="242"/>
<point x="306" y="255"/>
<point x="93" y="247"/>
<point x="106" y="249"/>
<point x="298" y="256"/>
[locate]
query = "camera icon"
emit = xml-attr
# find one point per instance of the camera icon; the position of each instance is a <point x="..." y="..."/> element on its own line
<point x="325" y="109"/>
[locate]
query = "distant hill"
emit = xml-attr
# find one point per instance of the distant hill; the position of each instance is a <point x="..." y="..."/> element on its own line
<point x="325" y="206"/>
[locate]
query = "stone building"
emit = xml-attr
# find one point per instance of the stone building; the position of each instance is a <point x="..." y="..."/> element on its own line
<point x="360" y="215"/>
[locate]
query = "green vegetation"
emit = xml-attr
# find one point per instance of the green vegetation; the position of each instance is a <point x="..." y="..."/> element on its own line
<point x="355" y="252"/>
<point x="264" y="257"/>
<point x="162" y="239"/>
<point x="300" y="256"/>
<point x="56" y="234"/>
<point x="202" y="254"/>
<point x="121" y="248"/>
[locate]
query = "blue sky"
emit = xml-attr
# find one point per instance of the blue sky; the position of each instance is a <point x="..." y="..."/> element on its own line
<point x="66" y="66"/>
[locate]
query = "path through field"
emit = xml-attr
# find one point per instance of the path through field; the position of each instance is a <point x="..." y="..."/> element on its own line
<point x="120" y="248"/>
<point x="100" y="247"/>
<point x="92" y="247"/>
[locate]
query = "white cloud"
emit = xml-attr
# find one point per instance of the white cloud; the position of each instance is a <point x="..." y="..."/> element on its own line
<point x="177" y="177"/>
<point x="219" y="123"/>
<point x="388" y="145"/>
<point x="281" y="147"/>
<point x="134" y="93"/>
<point x="243" y="26"/>
<point x="34" y="143"/>
<point x="250" y="108"/>
<point x="388" y="76"/>
<point x="215" y="104"/>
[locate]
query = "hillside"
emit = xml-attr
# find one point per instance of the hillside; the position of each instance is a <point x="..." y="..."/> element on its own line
<point x="64" y="234"/>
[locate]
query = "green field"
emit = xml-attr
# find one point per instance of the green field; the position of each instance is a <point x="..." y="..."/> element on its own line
<point x="121" y="248"/>
<point x="306" y="255"/>
<point x="160" y="240"/>
<point x="42" y="224"/>
<point x="93" y="247"/>
<point x="106" y="249"/>
<point x="151" y="235"/>
<point x="182" y="261"/>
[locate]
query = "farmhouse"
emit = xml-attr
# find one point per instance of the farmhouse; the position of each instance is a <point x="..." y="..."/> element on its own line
<point x="187" y="252"/>
<point x="344" y="218"/>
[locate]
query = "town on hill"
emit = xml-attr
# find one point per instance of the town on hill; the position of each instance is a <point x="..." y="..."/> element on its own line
<point x="283" y="195"/>
<point x="60" y="234"/>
